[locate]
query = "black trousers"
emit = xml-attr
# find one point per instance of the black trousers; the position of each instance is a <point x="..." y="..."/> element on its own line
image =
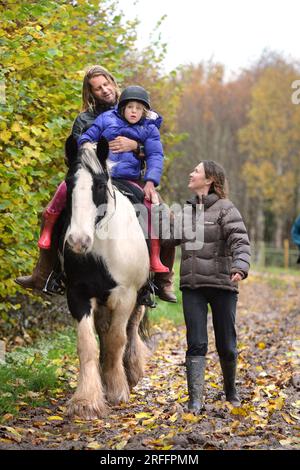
<point x="223" y="306"/>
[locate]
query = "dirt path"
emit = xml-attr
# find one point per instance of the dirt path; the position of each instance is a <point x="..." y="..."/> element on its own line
<point x="269" y="418"/>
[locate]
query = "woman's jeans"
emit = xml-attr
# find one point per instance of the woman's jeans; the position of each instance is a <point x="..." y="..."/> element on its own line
<point x="223" y="305"/>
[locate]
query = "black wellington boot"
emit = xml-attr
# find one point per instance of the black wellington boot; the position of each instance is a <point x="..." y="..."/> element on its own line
<point x="195" y="369"/>
<point x="229" y="372"/>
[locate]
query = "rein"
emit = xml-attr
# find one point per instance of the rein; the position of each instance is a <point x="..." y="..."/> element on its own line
<point x="113" y="195"/>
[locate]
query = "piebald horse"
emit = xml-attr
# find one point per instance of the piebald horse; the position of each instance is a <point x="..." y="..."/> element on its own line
<point x="105" y="259"/>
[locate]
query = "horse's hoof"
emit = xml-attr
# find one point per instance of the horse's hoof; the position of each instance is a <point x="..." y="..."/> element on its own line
<point x="85" y="410"/>
<point x="133" y="379"/>
<point x="117" y="398"/>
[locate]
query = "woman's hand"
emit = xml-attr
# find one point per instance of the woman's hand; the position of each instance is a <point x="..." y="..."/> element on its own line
<point x="122" y="144"/>
<point x="236" y="277"/>
<point x="150" y="193"/>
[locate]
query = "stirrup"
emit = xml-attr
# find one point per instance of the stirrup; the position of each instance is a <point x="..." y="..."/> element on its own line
<point x="146" y="295"/>
<point x="55" y="284"/>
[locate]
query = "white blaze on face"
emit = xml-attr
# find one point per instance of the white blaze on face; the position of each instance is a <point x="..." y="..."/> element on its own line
<point x="80" y="235"/>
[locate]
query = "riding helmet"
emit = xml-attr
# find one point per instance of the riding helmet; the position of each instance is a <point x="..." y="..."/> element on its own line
<point x="134" y="93"/>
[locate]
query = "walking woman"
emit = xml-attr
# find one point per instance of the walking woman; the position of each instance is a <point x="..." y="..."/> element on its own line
<point x="210" y="276"/>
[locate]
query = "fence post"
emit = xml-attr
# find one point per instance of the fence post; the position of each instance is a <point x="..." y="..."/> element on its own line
<point x="262" y="255"/>
<point x="286" y="248"/>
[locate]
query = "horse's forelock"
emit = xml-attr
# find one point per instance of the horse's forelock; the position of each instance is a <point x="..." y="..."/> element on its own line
<point x="88" y="158"/>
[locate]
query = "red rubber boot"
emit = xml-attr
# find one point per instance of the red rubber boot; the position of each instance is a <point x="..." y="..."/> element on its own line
<point x="156" y="265"/>
<point x="51" y="215"/>
<point x="49" y="222"/>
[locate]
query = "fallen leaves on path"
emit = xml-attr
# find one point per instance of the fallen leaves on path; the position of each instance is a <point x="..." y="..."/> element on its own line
<point x="156" y="416"/>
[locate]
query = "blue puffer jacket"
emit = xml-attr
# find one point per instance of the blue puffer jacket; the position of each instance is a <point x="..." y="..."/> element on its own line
<point x="126" y="165"/>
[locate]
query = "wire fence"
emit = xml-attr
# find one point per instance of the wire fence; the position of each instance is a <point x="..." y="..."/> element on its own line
<point x="264" y="255"/>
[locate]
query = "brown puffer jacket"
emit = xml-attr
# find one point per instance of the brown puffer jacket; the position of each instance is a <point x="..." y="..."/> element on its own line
<point x="226" y="247"/>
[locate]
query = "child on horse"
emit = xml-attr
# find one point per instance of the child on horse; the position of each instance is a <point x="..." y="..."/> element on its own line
<point x="100" y="93"/>
<point x="134" y="120"/>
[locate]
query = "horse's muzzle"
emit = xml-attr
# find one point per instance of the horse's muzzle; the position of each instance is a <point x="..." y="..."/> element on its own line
<point x="80" y="244"/>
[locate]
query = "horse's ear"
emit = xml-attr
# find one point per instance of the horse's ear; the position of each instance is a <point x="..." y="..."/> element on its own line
<point x="102" y="151"/>
<point x="71" y="149"/>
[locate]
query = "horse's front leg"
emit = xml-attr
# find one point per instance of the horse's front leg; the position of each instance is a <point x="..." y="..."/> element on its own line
<point x="88" y="401"/>
<point x="113" y="372"/>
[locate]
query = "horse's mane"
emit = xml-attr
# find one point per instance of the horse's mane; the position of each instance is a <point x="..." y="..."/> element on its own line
<point x="89" y="159"/>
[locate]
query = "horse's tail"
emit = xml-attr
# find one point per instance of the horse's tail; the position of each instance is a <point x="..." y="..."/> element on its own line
<point x="144" y="327"/>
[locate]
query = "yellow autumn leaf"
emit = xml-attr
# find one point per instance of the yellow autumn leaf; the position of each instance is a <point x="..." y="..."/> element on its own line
<point x="183" y="399"/>
<point x="94" y="445"/>
<point x="279" y="402"/>
<point x="190" y="417"/>
<point x="287" y="418"/>
<point x="25" y="136"/>
<point x="15" y="127"/>
<point x="55" y="418"/>
<point x="296" y="404"/>
<point x="239" y="411"/>
<point x="5" y="136"/>
<point x="145" y="422"/>
<point x="7" y="417"/>
<point x="214" y="385"/>
<point x="290" y="441"/>
<point x="121" y="445"/>
<point x="12" y="433"/>
<point x="261" y="345"/>
<point x="143" y="415"/>
<point x="173" y="418"/>
<point x="295" y="416"/>
<point x="161" y="400"/>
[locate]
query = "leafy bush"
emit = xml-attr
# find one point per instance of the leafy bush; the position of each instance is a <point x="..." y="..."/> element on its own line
<point x="45" y="48"/>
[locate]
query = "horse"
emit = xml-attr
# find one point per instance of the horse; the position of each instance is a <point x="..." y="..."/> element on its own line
<point x="105" y="260"/>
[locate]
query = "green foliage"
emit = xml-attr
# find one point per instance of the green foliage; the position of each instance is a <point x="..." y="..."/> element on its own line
<point x="31" y="373"/>
<point x="45" y="47"/>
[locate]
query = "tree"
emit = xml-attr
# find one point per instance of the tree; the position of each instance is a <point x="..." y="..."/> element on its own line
<point x="45" y="47"/>
<point x="271" y="141"/>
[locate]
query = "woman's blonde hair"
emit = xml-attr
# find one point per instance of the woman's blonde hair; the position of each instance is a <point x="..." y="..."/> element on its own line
<point x="89" y="102"/>
<point x="216" y="172"/>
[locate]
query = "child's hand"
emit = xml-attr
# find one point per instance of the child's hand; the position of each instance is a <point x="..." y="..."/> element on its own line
<point x="150" y="193"/>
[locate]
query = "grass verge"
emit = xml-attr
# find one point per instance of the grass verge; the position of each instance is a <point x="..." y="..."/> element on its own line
<point x="31" y="375"/>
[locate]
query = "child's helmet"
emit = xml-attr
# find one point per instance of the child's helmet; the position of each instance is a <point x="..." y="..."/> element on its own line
<point x="134" y="93"/>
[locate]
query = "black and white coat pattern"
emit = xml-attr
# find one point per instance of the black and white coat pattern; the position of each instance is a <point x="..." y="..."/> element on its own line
<point x="105" y="260"/>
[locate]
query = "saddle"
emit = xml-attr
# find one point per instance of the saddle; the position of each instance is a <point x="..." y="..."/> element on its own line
<point x="132" y="191"/>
